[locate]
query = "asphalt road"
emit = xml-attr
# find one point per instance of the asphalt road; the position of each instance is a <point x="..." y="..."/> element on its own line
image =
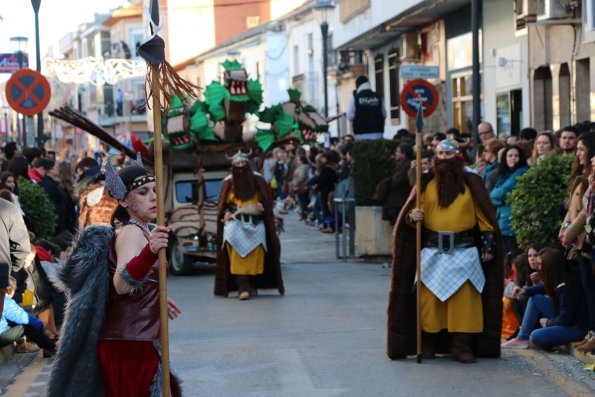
<point x="326" y="337"/>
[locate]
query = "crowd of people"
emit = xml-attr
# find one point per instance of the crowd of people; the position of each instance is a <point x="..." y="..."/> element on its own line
<point x="34" y="181"/>
<point x="549" y="292"/>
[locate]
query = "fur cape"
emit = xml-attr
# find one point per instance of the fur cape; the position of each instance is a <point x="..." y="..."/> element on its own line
<point x="86" y="278"/>
<point x="401" y="340"/>
<point x="271" y="277"/>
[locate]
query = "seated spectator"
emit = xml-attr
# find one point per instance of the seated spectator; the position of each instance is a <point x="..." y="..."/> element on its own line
<point x="558" y="306"/>
<point x="16" y="323"/>
<point x="532" y="257"/>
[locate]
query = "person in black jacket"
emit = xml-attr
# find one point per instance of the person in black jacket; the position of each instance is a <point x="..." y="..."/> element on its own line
<point x="558" y="305"/>
<point x="366" y="111"/>
<point x="56" y="194"/>
<point x="324" y="187"/>
<point x="398" y="184"/>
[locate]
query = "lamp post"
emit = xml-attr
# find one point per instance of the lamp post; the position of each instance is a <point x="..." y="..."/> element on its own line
<point x="36" y="4"/>
<point x="19" y="45"/>
<point x="322" y="7"/>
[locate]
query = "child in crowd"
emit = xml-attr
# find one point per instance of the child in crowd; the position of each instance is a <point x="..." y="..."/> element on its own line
<point x="16" y="322"/>
<point x="558" y="305"/>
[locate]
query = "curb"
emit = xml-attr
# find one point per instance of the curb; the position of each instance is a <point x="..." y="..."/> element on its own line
<point x="587" y="358"/>
<point x="6" y="352"/>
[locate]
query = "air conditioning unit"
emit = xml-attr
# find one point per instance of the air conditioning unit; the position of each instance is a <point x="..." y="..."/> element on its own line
<point x="411" y="47"/>
<point x="555" y="9"/>
<point x="525" y="9"/>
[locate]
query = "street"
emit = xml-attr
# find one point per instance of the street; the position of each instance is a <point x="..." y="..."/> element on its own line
<point x="326" y="337"/>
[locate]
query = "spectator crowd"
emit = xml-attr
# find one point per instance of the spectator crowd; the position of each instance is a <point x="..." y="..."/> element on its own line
<point x="549" y="296"/>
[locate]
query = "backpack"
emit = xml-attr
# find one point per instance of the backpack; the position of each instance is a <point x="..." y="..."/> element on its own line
<point x="279" y="171"/>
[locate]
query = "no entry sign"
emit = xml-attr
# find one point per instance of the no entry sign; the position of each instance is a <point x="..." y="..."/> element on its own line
<point x="28" y="92"/>
<point x="416" y="91"/>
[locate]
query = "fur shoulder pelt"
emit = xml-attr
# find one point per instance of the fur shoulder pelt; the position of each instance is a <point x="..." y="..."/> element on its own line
<point x="86" y="278"/>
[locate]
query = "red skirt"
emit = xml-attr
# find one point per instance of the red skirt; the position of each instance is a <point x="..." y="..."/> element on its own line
<point x="128" y="368"/>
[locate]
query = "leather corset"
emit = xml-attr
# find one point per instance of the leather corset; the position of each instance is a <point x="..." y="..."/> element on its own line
<point x="133" y="316"/>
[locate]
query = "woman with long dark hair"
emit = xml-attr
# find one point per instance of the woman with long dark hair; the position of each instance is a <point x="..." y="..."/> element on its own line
<point x="512" y="166"/>
<point x="557" y="305"/>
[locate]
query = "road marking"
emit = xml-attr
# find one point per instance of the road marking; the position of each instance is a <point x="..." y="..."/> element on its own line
<point x="24" y="381"/>
<point x="570" y="386"/>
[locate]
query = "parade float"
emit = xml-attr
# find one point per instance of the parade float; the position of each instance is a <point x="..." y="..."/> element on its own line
<point x="198" y="138"/>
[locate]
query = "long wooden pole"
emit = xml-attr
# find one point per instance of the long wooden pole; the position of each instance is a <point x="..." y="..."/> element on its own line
<point x="158" y="157"/>
<point x="418" y="225"/>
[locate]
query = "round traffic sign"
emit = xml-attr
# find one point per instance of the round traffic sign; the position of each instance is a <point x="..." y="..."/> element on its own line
<point x="28" y="92"/>
<point x="416" y="91"/>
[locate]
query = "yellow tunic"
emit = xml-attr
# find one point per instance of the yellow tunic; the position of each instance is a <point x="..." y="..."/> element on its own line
<point x="253" y="263"/>
<point x="462" y="312"/>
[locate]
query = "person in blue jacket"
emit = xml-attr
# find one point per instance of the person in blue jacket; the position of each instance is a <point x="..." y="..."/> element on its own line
<point x="512" y="165"/>
<point x="558" y="306"/>
<point x="16" y="322"/>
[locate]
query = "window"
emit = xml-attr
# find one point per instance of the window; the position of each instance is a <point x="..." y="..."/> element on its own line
<point x="186" y="191"/>
<point x="379" y="74"/>
<point x="394" y="84"/>
<point x="296" y="60"/>
<point x="252" y="21"/>
<point x="212" y="188"/>
<point x="462" y="101"/>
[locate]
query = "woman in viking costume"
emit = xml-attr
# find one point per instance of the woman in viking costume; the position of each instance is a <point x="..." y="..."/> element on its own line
<point x="110" y="340"/>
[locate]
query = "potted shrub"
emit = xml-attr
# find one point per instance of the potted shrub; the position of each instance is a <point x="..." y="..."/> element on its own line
<point x="372" y="161"/>
<point x="538" y="201"/>
<point x="38" y="207"/>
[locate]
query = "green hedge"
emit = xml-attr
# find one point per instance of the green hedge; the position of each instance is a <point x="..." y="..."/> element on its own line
<point x="537" y="201"/>
<point x="38" y="207"/>
<point x="372" y="161"/>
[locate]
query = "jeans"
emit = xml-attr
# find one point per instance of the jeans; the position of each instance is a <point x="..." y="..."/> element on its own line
<point x="540" y="306"/>
<point x="588" y="281"/>
<point x="35" y="335"/>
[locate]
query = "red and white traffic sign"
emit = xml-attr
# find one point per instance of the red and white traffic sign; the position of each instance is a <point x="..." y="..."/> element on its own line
<point x="416" y="92"/>
<point x="28" y="92"/>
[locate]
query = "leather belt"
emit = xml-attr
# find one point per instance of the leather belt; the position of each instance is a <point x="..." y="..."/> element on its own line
<point x="255" y="219"/>
<point x="446" y="241"/>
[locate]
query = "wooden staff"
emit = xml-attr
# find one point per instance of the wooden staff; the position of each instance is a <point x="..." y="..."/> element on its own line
<point x="158" y="160"/>
<point x="419" y="123"/>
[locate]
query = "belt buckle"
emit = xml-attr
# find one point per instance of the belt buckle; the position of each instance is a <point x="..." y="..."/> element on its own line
<point x="448" y="237"/>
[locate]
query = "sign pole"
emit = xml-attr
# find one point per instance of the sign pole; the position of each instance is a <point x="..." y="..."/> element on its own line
<point x="419" y="123"/>
<point x="158" y="161"/>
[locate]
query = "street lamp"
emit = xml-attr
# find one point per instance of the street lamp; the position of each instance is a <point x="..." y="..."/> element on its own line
<point x="36" y="4"/>
<point x="322" y="8"/>
<point x="19" y="45"/>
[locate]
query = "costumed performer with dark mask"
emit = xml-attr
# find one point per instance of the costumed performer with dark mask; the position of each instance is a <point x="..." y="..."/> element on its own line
<point x="461" y="270"/>
<point x="111" y="336"/>
<point x="248" y="247"/>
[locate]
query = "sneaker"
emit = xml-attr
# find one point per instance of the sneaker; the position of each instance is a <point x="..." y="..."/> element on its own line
<point x="515" y="344"/>
<point x="26" y="347"/>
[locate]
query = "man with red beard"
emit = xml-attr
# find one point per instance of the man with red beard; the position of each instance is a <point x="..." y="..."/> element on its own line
<point x="461" y="271"/>
<point x="248" y="247"/>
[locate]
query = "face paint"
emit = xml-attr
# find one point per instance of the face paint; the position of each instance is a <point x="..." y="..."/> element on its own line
<point x="142" y="203"/>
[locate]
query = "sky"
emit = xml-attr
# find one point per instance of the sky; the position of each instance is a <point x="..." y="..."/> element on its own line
<point x="56" y="19"/>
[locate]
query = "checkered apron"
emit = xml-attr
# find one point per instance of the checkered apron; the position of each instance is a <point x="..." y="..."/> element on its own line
<point x="444" y="273"/>
<point x="244" y="236"/>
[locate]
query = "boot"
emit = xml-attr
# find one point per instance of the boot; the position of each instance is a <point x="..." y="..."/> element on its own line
<point x="428" y="349"/>
<point x="461" y="347"/>
<point x="244" y="287"/>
